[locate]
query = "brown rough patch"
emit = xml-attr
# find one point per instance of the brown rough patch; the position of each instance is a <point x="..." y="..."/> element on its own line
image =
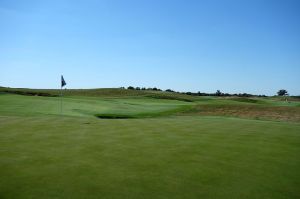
<point x="278" y="113"/>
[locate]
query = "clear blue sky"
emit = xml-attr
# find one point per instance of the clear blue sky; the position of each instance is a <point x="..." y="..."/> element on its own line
<point x="236" y="46"/>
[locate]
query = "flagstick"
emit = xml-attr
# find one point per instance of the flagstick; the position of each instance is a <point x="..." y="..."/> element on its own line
<point x="63" y="83"/>
<point x="61" y="100"/>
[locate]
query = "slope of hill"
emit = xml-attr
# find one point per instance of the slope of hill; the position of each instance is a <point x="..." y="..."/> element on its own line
<point x="101" y="92"/>
<point x="123" y="103"/>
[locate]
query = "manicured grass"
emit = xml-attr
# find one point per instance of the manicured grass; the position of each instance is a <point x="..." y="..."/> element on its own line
<point x="87" y="106"/>
<point x="160" y="155"/>
<point x="178" y="157"/>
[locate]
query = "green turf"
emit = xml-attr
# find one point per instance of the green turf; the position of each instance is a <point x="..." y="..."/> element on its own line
<point x="77" y="155"/>
<point x="104" y="92"/>
<point x="87" y="106"/>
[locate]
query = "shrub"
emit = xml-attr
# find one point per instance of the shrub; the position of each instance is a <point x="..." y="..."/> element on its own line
<point x="169" y="90"/>
<point x="218" y="93"/>
<point x="282" y="92"/>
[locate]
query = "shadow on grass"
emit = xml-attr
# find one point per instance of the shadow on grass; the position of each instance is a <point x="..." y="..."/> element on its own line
<point x="145" y="115"/>
<point x="114" y="116"/>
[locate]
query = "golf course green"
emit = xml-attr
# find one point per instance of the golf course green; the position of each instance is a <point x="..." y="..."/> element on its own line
<point x="117" y="143"/>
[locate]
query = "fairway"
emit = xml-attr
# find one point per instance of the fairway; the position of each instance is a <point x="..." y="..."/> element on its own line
<point x="171" y="150"/>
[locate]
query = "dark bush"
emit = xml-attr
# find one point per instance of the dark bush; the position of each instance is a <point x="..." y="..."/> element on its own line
<point x="218" y="93"/>
<point x="169" y="90"/>
<point x="282" y="92"/>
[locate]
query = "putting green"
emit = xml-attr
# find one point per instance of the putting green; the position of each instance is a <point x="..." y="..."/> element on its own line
<point x="88" y="106"/>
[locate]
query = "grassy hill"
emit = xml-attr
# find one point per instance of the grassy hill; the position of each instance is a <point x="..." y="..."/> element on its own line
<point x="167" y="145"/>
<point x="103" y="92"/>
<point x="124" y="103"/>
<point x="11" y="104"/>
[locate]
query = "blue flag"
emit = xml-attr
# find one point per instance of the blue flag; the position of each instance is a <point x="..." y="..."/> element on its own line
<point x="63" y="82"/>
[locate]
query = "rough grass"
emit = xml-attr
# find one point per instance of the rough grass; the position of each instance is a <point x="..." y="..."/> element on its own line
<point x="103" y="92"/>
<point x="245" y="99"/>
<point x="250" y="108"/>
<point x="278" y="113"/>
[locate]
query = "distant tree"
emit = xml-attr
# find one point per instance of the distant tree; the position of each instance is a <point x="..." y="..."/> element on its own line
<point x="245" y="95"/>
<point x="143" y="88"/>
<point x="138" y="88"/>
<point x="218" y="93"/>
<point x="169" y="90"/>
<point x="155" y="89"/>
<point x="282" y="92"/>
<point x="130" y="88"/>
<point x="261" y="96"/>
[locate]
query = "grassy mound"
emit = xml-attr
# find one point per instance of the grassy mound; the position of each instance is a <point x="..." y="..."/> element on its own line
<point x="103" y="92"/>
<point x="82" y="106"/>
<point x="172" y="97"/>
<point x="29" y="93"/>
<point x="245" y="99"/>
<point x="261" y="112"/>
